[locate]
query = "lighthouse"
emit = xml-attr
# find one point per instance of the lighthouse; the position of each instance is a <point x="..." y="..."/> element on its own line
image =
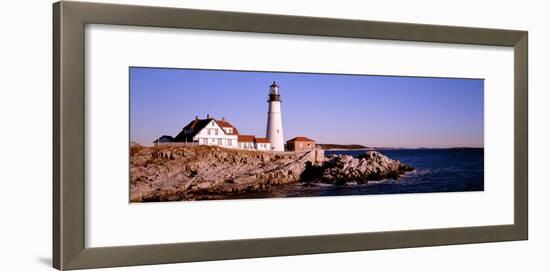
<point x="274" y="122"/>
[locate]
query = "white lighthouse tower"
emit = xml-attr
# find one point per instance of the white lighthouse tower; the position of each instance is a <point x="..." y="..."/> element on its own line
<point x="274" y="122"/>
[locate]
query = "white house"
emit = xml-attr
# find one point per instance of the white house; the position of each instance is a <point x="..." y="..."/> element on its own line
<point x="262" y="144"/>
<point x="214" y="132"/>
<point x="250" y="142"/>
<point x="209" y="131"/>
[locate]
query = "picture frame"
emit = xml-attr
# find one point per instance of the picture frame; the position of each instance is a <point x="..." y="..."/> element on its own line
<point x="69" y="20"/>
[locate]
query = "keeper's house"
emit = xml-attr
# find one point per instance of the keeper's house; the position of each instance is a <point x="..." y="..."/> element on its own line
<point x="213" y="132"/>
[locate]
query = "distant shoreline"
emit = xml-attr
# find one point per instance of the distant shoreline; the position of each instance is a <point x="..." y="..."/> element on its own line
<point x="342" y="149"/>
<point x="390" y="148"/>
<point x="342" y="146"/>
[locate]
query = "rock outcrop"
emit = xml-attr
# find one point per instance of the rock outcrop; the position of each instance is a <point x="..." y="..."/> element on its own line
<point x="172" y="173"/>
<point x="201" y="172"/>
<point x="345" y="169"/>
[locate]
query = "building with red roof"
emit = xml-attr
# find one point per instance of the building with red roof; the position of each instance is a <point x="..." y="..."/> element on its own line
<point x="210" y="131"/>
<point x="300" y="143"/>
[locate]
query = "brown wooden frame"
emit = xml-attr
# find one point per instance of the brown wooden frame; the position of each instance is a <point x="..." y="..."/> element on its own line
<point x="69" y="20"/>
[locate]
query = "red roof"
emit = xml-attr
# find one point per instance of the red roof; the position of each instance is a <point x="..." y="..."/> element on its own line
<point x="301" y="138"/>
<point x="245" y="138"/>
<point x="192" y="129"/>
<point x="225" y="124"/>
<point x="196" y="125"/>
<point x="261" y="140"/>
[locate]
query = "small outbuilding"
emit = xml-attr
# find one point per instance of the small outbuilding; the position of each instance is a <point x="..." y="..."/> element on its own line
<point x="165" y="139"/>
<point x="300" y="143"/>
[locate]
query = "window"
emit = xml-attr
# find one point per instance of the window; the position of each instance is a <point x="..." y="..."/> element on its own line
<point x="204" y="141"/>
<point x="229" y="130"/>
<point x="219" y="140"/>
<point x="213" y="124"/>
<point x="229" y="142"/>
<point x="216" y="132"/>
<point x="208" y="131"/>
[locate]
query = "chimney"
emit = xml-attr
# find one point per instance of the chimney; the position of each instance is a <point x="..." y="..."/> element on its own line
<point x="208" y="116"/>
<point x="196" y="117"/>
<point x="223" y="118"/>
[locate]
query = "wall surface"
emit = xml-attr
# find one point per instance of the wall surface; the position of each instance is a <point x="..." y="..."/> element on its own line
<point x="25" y="116"/>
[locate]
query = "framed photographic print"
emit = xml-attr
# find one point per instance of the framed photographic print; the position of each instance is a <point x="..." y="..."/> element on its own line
<point x="190" y="135"/>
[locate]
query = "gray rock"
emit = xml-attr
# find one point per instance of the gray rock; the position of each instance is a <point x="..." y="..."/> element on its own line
<point x="344" y="169"/>
<point x="200" y="172"/>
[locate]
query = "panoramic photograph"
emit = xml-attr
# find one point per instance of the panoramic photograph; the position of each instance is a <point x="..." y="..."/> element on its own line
<point x="220" y="134"/>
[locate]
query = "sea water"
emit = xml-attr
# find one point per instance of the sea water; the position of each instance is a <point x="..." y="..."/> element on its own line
<point x="436" y="170"/>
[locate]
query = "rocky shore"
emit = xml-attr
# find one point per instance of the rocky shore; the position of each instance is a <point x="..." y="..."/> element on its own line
<point x="173" y="173"/>
<point x="345" y="169"/>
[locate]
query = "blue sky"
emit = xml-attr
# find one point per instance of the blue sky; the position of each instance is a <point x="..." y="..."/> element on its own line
<point x="378" y="111"/>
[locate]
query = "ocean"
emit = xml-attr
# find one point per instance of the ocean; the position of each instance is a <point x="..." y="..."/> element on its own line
<point x="436" y="170"/>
